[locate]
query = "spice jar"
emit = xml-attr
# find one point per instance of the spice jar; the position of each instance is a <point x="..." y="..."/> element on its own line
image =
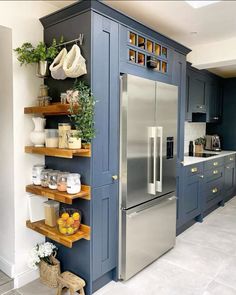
<point x="36" y="174"/>
<point x="51" y="138"/>
<point x="62" y="181"/>
<point x="43" y="90"/>
<point x="64" y="129"/>
<point x="52" y="184"/>
<point x="73" y="183"/>
<point x="63" y="98"/>
<point x="45" y="177"/>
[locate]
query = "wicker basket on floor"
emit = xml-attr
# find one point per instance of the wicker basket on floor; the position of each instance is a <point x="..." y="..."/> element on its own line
<point x="49" y="273"/>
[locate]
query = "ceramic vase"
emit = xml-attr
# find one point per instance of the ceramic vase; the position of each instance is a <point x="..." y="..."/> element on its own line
<point x="37" y="136"/>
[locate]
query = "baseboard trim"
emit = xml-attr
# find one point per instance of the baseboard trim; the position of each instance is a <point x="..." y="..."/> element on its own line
<point x="25" y="278"/>
<point x="7" y="267"/>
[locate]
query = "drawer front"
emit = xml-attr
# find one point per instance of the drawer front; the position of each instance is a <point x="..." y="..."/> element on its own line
<point x="211" y="164"/>
<point x="214" y="174"/>
<point x="213" y="191"/>
<point x="230" y="159"/>
<point x="194" y="169"/>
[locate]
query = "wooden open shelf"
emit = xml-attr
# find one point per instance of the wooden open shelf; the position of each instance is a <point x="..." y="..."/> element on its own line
<point x="50" y="110"/>
<point x="63" y="197"/>
<point x="56" y="152"/>
<point x="53" y="233"/>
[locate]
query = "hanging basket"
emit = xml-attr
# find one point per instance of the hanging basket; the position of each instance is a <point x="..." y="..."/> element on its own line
<point x="49" y="273"/>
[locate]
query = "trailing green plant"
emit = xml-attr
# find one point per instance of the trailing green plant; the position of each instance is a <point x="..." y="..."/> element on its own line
<point x="28" y="54"/>
<point x="200" y="141"/>
<point x="82" y="105"/>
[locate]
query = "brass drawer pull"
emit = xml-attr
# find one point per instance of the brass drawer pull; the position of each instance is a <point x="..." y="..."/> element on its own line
<point x="231" y="159"/>
<point x="215" y="171"/>
<point x="214" y="190"/>
<point x="201" y="176"/>
<point x="194" y="169"/>
<point x="215" y="164"/>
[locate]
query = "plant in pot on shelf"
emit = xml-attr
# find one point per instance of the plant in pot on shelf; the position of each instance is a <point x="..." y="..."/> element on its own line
<point x="42" y="256"/>
<point x="199" y="144"/>
<point x="41" y="55"/>
<point x="82" y="105"/>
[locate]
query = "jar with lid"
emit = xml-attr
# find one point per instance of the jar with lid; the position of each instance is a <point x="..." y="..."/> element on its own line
<point x="52" y="184"/>
<point x="73" y="183"/>
<point x="64" y="130"/>
<point x="43" y="90"/>
<point x="62" y="181"/>
<point x="36" y="174"/>
<point x="63" y="98"/>
<point x="51" y="138"/>
<point x="45" y="177"/>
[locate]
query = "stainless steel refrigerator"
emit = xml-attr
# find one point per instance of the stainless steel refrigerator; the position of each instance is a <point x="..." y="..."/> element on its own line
<point x="148" y="129"/>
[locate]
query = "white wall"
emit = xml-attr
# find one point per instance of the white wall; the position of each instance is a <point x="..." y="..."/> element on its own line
<point x="193" y="131"/>
<point x="22" y="17"/>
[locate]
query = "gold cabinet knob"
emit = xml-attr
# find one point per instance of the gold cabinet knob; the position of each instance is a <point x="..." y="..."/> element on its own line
<point x="215" y="171"/>
<point x="114" y="177"/>
<point x="201" y="176"/>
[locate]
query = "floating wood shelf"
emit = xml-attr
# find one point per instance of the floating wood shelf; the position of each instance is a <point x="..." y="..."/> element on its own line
<point x="53" y="233"/>
<point x="59" y="196"/>
<point x="50" y="110"/>
<point x="56" y="152"/>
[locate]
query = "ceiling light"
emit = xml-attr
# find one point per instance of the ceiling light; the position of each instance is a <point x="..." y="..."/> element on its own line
<point x="199" y="4"/>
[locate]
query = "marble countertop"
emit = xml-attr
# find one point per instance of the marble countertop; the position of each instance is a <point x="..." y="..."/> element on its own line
<point x="193" y="160"/>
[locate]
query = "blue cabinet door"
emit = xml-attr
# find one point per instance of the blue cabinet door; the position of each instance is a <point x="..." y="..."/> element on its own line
<point x="213" y="97"/>
<point x="105" y="87"/>
<point x="197" y="93"/>
<point x="105" y="229"/>
<point x="229" y="183"/>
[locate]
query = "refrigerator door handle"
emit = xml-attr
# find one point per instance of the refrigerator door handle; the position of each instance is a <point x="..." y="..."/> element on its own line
<point x="152" y="156"/>
<point x="159" y="167"/>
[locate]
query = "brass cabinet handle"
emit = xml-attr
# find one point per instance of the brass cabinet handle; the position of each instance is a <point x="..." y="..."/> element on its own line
<point x="215" y="171"/>
<point x="227" y="167"/>
<point x="194" y="169"/>
<point x="215" y="164"/>
<point x="214" y="190"/>
<point x="231" y="159"/>
<point x="201" y="176"/>
<point x="114" y="177"/>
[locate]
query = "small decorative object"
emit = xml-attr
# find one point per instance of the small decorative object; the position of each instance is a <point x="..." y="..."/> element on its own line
<point x="44" y="101"/>
<point x="52" y="184"/>
<point x="73" y="141"/>
<point x="62" y="181"/>
<point x="51" y="138"/>
<point x="56" y="67"/>
<point x="199" y="143"/>
<point x="74" y="64"/>
<point x="36" y="174"/>
<point x="64" y="129"/>
<point x="63" y="98"/>
<point x="72" y="282"/>
<point x="51" y="211"/>
<point x="37" y="136"/>
<point x="45" y="177"/>
<point x="43" y="256"/>
<point x="69" y="221"/>
<point x="73" y="183"/>
<point x="82" y="105"/>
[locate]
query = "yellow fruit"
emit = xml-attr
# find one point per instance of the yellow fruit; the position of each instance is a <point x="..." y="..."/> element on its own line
<point x="70" y="230"/>
<point x="62" y="230"/>
<point x="65" y="216"/>
<point x="70" y="221"/>
<point x="60" y="221"/>
<point x="76" y="216"/>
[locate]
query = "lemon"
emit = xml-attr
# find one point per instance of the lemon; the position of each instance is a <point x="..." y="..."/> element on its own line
<point x="65" y="216"/>
<point x="62" y="230"/>
<point x="76" y="216"/>
<point x="70" y="230"/>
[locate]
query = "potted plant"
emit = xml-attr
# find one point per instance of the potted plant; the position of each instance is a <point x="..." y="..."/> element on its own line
<point x="41" y="55"/>
<point x="82" y="105"/>
<point x="43" y="256"/>
<point x="199" y="144"/>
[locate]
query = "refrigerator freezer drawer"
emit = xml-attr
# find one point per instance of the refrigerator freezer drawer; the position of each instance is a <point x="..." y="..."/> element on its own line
<point x="148" y="231"/>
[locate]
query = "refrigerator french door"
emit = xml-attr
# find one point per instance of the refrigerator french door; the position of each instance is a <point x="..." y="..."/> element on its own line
<point x="147" y="172"/>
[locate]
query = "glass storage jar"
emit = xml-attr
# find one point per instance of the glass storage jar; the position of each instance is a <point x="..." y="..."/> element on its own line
<point x="64" y="130"/>
<point x="51" y="138"/>
<point x="43" y="90"/>
<point x="62" y="181"/>
<point x="45" y="177"/>
<point x="36" y="174"/>
<point x="53" y="179"/>
<point x="73" y="183"/>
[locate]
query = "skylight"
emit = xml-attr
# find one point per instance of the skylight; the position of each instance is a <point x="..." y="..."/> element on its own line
<point x="199" y="4"/>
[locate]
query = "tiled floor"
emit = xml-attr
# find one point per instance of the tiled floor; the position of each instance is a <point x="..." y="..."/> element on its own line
<point x="6" y="283"/>
<point x="202" y="263"/>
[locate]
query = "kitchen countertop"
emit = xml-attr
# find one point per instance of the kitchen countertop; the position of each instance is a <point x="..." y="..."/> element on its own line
<point x="193" y="160"/>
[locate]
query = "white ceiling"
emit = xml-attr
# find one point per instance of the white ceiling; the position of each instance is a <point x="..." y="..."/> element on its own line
<point x="179" y="21"/>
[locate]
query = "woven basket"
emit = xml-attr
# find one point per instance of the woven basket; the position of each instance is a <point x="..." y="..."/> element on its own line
<point x="49" y="273"/>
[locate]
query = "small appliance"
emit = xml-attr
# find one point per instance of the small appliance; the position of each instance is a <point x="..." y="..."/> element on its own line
<point x="213" y="143"/>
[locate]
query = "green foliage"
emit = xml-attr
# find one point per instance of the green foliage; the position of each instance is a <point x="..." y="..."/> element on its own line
<point x="200" y="140"/>
<point x="82" y="112"/>
<point x="28" y="54"/>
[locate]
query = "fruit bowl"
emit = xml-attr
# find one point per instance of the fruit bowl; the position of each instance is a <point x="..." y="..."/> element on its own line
<point x="69" y="221"/>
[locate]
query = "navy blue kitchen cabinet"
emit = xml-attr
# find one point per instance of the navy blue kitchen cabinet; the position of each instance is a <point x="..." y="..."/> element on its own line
<point x="229" y="184"/>
<point x="105" y="87"/>
<point x="214" y="101"/>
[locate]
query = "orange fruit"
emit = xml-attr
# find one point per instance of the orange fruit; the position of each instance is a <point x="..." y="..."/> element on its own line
<point x="70" y="221"/>
<point x="76" y="216"/>
<point x="65" y="216"/>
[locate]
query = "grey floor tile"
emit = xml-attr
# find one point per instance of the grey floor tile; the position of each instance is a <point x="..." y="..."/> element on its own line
<point x="228" y="210"/>
<point x="227" y="275"/>
<point x="13" y="292"/>
<point x="216" y="288"/>
<point x="4" y="278"/>
<point x="222" y="222"/>
<point x="36" y="288"/>
<point x="6" y="287"/>
<point x="232" y="202"/>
